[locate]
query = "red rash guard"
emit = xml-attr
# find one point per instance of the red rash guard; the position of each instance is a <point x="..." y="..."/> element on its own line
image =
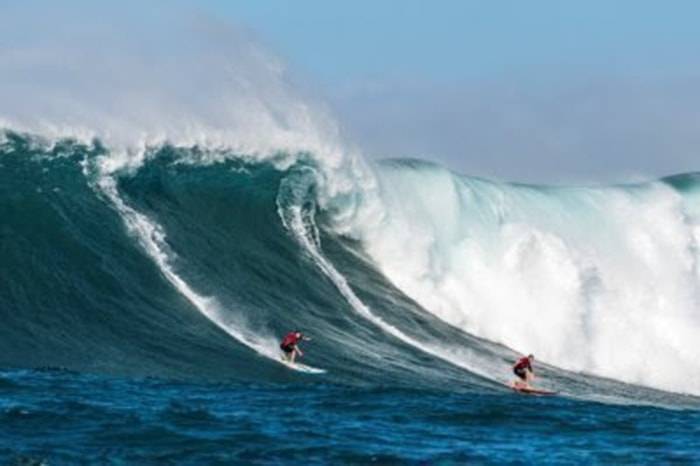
<point x="523" y="363"/>
<point x="290" y="339"/>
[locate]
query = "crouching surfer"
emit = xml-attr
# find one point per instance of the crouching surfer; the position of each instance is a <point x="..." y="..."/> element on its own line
<point x="523" y="369"/>
<point x="290" y="346"/>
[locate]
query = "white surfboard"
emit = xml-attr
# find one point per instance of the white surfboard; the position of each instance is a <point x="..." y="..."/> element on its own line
<point x="302" y="367"/>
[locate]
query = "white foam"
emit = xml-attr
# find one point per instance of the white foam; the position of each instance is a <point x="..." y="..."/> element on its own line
<point x="603" y="281"/>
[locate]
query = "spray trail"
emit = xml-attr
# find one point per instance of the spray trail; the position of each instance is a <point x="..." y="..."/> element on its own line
<point x="300" y="222"/>
<point x="151" y="237"/>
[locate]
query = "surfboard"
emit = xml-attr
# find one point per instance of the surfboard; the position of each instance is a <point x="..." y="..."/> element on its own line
<point x="302" y="367"/>
<point x="531" y="391"/>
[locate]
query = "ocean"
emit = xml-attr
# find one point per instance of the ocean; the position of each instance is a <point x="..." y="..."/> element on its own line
<point x="144" y="293"/>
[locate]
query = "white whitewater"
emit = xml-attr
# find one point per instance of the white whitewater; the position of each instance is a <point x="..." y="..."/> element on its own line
<point x="598" y="280"/>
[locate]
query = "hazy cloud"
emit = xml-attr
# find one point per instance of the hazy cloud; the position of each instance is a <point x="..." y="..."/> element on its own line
<point x="583" y="129"/>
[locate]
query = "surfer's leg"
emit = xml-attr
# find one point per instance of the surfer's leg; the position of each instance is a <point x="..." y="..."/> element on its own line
<point x="286" y="354"/>
<point x="293" y="356"/>
<point x="528" y="378"/>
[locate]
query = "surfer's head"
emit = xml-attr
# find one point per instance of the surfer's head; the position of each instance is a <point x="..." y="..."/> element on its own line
<point x="531" y="357"/>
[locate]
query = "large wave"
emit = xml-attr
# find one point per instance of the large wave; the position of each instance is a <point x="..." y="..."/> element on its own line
<point x="181" y="228"/>
<point x="110" y="271"/>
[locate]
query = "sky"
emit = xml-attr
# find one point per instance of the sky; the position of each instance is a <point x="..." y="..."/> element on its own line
<point x="526" y="90"/>
<point x="454" y="39"/>
<point x="546" y="91"/>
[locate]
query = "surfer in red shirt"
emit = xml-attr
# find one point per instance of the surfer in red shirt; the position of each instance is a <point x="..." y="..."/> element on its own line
<point x="523" y="369"/>
<point x="290" y="345"/>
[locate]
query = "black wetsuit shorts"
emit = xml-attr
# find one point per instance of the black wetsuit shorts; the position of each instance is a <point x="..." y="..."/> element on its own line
<point x="287" y="348"/>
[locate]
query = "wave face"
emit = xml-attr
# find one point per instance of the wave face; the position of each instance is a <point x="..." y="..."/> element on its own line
<point x="193" y="263"/>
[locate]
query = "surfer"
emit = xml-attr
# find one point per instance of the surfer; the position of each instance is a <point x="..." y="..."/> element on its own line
<point x="523" y="369"/>
<point x="290" y="345"/>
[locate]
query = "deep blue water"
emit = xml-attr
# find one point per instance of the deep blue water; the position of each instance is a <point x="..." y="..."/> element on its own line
<point x="60" y="417"/>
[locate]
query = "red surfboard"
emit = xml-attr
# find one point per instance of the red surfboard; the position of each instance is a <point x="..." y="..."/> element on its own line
<point x="531" y="391"/>
<point x="534" y="391"/>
